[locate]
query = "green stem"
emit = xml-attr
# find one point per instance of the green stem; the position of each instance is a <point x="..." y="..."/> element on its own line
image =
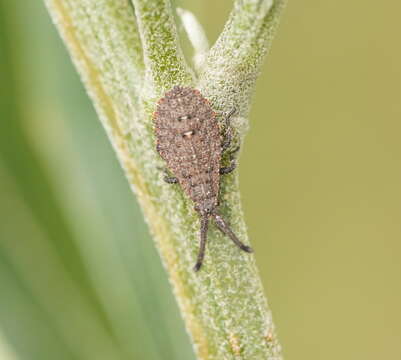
<point x="223" y="305"/>
<point x="164" y="60"/>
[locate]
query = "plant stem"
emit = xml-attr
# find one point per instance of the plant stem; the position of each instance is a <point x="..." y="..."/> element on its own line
<point x="127" y="57"/>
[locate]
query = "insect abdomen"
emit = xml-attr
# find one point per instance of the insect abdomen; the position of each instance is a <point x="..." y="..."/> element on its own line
<point x="188" y="139"/>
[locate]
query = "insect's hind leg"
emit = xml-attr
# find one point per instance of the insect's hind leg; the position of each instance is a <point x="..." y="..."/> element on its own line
<point x="225" y="229"/>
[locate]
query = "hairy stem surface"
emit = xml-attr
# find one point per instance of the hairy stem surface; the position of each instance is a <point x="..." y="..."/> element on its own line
<point x="128" y="55"/>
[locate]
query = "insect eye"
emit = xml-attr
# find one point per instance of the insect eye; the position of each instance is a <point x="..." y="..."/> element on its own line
<point x="184" y="117"/>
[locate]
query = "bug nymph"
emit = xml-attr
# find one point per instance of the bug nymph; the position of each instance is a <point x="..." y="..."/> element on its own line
<point x="189" y="140"/>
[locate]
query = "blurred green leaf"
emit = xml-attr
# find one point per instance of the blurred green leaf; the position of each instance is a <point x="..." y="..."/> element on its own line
<point x="79" y="276"/>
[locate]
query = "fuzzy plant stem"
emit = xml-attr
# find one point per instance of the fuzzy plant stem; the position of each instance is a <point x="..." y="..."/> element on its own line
<point x="128" y="56"/>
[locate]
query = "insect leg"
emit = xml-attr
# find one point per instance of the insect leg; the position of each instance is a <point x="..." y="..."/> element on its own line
<point x="233" y="163"/>
<point x="228" y="117"/>
<point x="227" y="169"/>
<point x="228" y="135"/>
<point x="203" y="238"/>
<point x="225" y="229"/>
<point x="167" y="178"/>
<point x="170" y="179"/>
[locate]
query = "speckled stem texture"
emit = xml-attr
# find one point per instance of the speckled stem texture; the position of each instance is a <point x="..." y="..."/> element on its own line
<point x="128" y="56"/>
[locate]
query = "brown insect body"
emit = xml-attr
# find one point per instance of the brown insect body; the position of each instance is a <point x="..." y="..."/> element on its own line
<point x="189" y="140"/>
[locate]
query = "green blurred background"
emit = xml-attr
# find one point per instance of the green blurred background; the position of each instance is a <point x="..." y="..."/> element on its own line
<point x="321" y="187"/>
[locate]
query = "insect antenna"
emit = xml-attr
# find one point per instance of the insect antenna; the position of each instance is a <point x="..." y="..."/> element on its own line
<point x="225" y="229"/>
<point x="203" y="238"/>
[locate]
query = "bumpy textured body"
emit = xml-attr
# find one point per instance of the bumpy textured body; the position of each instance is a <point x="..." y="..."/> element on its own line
<point x="189" y="140"/>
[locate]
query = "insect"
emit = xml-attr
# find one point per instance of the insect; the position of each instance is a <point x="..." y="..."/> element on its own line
<point x="189" y="140"/>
